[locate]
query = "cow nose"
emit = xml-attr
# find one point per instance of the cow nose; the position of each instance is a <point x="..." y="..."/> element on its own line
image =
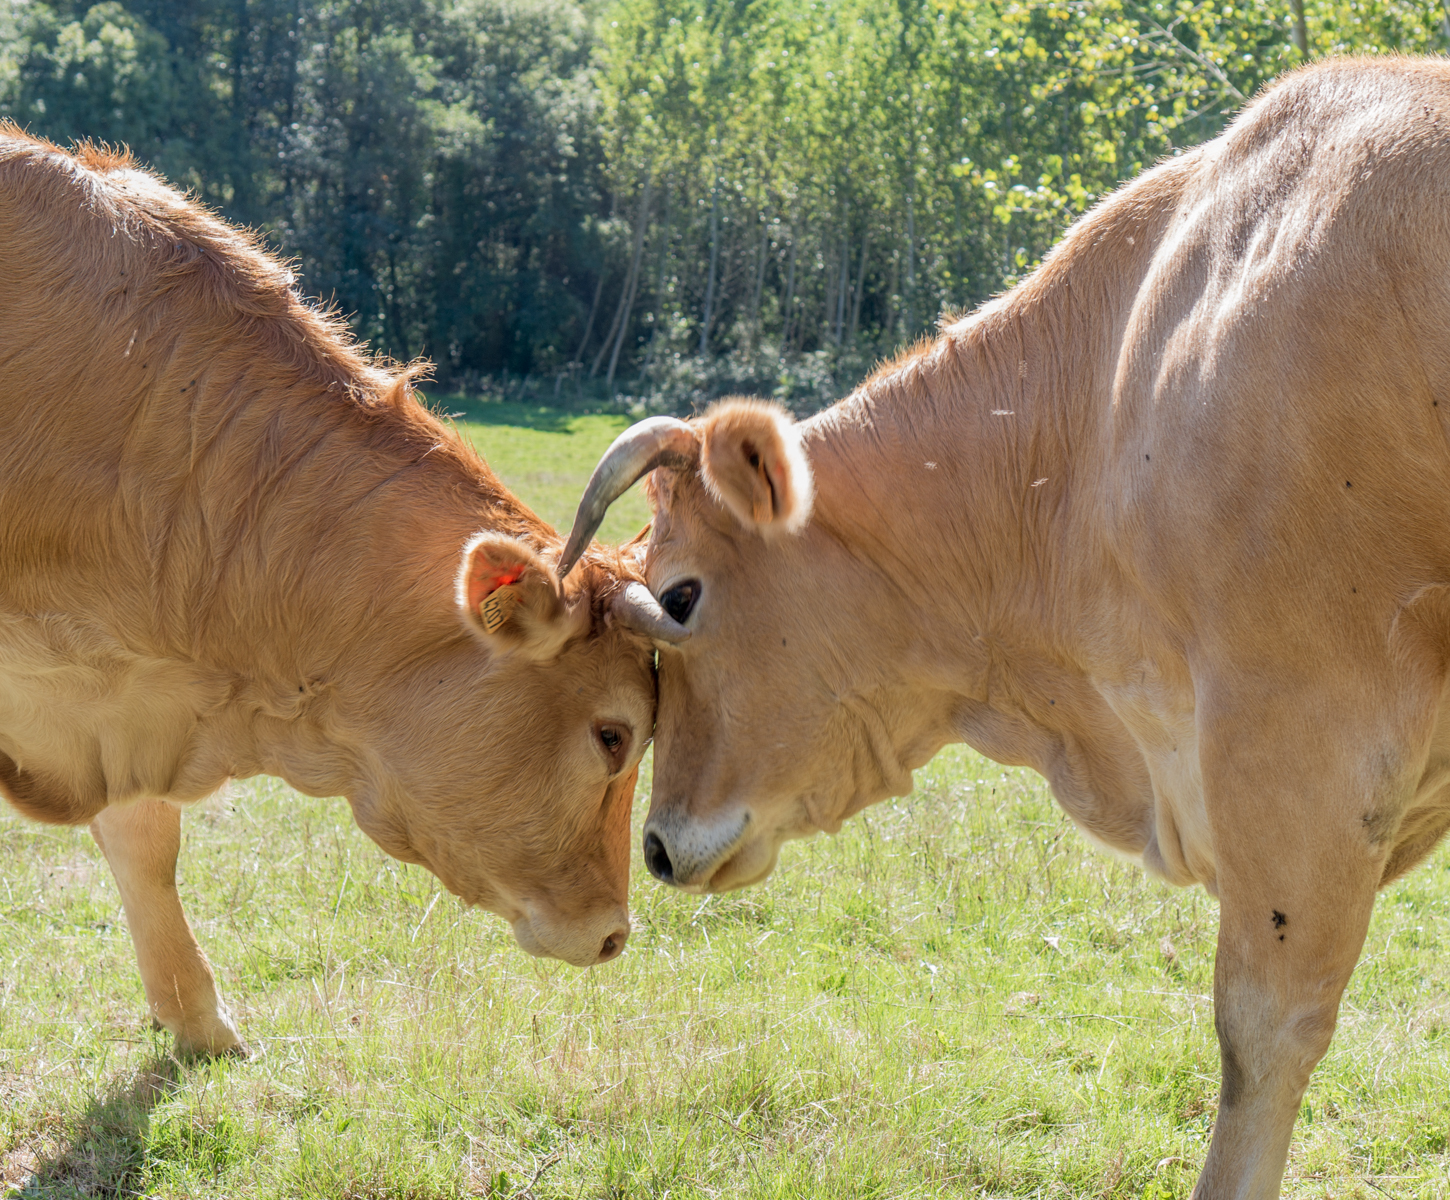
<point x="657" y="858"/>
<point x="585" y="940"/>
<point x="614" y="944"/>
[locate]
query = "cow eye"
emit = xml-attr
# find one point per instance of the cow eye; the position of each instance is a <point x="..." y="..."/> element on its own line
<point x="679" y="601"/>
<point x="615" y="741"/>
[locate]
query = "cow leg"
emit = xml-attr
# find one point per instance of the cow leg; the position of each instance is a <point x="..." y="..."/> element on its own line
<point x="1297" y="881"/>
<point x="141" y="841"/>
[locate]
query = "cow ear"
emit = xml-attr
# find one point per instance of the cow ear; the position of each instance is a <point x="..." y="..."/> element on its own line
<point x="752" y="460"/>
<point x="511" y="600"/>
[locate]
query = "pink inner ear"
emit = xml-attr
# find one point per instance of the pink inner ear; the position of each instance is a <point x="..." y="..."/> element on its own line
<point x="778" y="477"/>
<point x="488" y="578"/>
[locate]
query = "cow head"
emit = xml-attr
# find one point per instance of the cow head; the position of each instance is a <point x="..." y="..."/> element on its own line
<point x="506" y="759"/>
<point x="769" y="726"/>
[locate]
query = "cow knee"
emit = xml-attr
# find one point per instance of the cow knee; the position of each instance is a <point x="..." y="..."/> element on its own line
<point x="1261" y="1048"/>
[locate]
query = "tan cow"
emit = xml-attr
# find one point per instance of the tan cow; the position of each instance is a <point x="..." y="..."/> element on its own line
<point x="1170" y="523"/>
<point x="232" y="544"/>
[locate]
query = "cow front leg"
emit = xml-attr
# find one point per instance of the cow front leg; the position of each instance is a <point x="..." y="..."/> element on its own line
<point x="1275" y="1007"/>
<point x="141" y="842"/>
<point x="1297" y="876"/>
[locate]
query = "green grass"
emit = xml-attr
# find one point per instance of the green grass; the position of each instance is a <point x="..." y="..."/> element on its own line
<point x="546" y="455"/>
<point x="957" y="996"/>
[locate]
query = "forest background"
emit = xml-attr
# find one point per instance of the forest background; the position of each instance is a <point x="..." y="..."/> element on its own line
<point x="648" y="203"/>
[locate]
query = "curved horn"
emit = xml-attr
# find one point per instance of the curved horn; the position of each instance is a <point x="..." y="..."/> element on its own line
<point x="635" y="608"/>
<point x="659" y="441"/>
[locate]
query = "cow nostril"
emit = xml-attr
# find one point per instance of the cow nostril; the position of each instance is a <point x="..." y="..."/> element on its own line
<point x="657" y="859"/>
<point x="613" y="944"/>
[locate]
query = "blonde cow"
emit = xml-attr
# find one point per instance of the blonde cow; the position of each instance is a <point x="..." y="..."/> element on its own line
<point x="1169" y="522"/>
<point x="232" y="544"/>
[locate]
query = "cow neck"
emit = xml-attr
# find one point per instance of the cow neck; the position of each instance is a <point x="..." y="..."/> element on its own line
<point x="966" y="473"/>
<point x="341" y="579"/>
<point x="237" y="522"/>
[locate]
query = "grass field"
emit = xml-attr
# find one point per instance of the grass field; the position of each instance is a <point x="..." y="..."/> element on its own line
<point x="954" y="997"/>
<point x="546" y="456"/>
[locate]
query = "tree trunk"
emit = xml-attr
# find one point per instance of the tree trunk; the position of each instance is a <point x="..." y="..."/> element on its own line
<point x="833" y="282"/>
<point x="860" y="284"/>
<point x="893" y="318"/>
<point x="589" y="324"/>
<point x="845" y="286"/>
<point x="654" y="335"/>
<point x="759" y="279"/>
<point x="626" y="293"/>
<point x="1301" y="30"/>
<point x="243" y="191"/>
<point x="632" y="285"/>
<point x="289" y="106"/>
<point x="910" y="267"/>
<point x="623" y="329"/>
<point x="399" y="349"/>
<point x="789" y="296"/>
<point x="714" y="262"/>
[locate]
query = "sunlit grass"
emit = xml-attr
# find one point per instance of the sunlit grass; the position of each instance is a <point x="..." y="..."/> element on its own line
<point x="957" y="996"/>
<point x="547" y="458"/>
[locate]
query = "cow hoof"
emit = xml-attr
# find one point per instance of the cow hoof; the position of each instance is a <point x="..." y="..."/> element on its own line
<point x="212" y="1037"/>
<point x="238" y="1050"/>
<point x="188" y="1048"/>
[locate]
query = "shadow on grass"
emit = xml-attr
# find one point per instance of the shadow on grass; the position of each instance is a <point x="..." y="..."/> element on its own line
<point x="483" y="410"/>
<point x="106" y="1150"/>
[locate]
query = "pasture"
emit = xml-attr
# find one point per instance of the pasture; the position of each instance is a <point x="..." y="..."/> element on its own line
<point x="957" y="996"/>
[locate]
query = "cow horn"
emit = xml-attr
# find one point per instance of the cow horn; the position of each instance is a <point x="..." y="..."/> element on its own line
<point x="635" y="608"/>
<point x="659" y="441"/>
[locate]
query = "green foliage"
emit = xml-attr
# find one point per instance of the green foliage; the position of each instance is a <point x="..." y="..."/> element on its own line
<point x="850" y="171"/>
<point x="103" y="75"/>
<point x="433" y="164"/>
<point x="690" y="197"/>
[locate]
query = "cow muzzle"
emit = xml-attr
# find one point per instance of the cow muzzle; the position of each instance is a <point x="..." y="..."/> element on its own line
<point x="586" y="943"/>
<point x="707" y="856"/>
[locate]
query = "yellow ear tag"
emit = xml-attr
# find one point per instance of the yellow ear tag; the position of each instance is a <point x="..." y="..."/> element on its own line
<point x="497" y="607"/>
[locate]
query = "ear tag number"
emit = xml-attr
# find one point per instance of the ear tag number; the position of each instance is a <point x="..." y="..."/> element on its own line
<point x="496" y="608"/>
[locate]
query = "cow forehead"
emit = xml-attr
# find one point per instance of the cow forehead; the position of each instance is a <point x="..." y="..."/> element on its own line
<point x="610" y="664"/>
<point x="688" y="523"/>
<point x="605" y="665"/>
